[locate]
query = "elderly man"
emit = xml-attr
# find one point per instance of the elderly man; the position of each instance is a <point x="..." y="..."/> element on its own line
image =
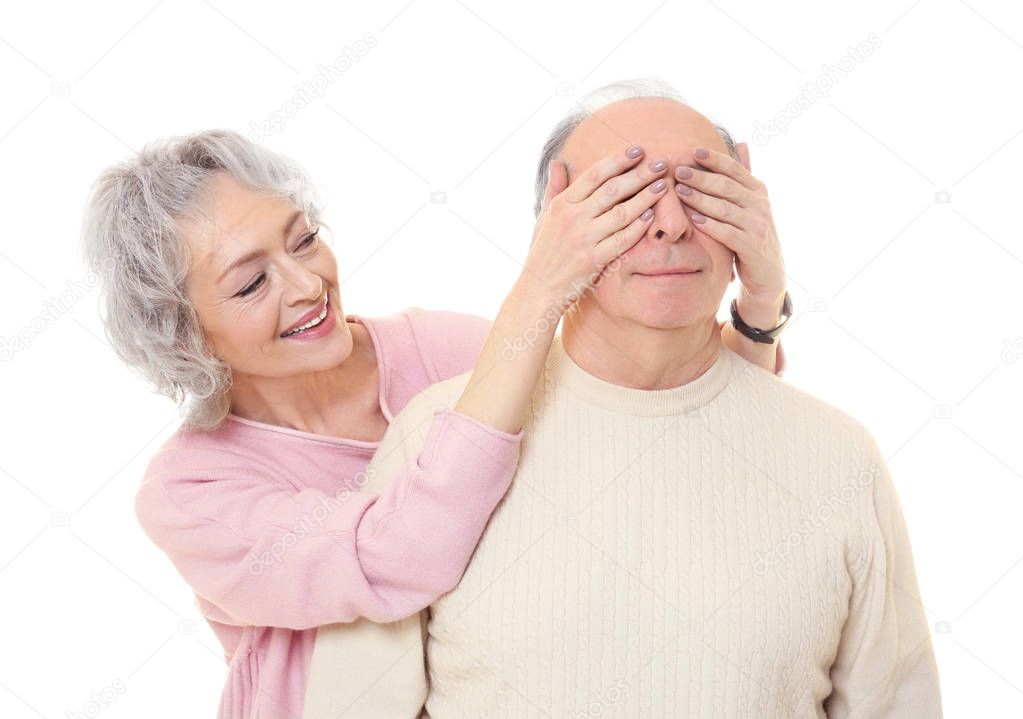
<point x="686" y="535"/>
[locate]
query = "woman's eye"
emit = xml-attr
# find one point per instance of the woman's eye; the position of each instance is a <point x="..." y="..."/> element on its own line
<point x="308" y="239"/>
<point x="253" y="287"/>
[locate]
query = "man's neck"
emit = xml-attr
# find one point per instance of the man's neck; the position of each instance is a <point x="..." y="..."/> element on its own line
<point x="629" y="354"/>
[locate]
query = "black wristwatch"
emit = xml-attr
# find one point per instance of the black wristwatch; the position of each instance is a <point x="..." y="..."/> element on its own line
<point x="764" y="336"/>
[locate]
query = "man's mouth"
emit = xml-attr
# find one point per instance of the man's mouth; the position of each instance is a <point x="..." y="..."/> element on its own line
<point x="673" y="272"/>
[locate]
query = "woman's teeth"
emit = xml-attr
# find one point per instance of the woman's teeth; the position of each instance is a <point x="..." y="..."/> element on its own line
<point x="310" y="324"/>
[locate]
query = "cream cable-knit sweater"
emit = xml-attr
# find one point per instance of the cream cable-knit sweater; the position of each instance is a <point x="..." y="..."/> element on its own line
<point x="733" y="547"/>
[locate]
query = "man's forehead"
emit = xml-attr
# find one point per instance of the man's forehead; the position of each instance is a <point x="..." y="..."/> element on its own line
<point x="665" y="130"/>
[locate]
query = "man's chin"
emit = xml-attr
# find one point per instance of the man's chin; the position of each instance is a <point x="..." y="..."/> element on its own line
<point x="672" y="314"/>
<point x="655" y="308"/>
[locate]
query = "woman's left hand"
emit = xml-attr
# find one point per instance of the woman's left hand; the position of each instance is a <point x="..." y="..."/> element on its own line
<point x="732" y="208"/>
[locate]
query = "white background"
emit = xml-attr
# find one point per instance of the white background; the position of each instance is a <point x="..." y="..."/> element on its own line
<point x="907" y="300"/>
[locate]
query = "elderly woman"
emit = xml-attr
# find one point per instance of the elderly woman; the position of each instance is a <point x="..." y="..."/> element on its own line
<point x="220" y="289"/>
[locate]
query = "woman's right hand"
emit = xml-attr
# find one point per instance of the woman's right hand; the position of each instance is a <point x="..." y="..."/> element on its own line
<point x="584" y="226"/>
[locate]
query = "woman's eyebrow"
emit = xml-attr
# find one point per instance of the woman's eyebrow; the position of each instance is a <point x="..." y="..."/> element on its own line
<point x="243" y="260"/>
<point x="256" y="254"/>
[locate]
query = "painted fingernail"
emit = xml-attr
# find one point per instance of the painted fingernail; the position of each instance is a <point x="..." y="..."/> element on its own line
<point x="684" y="190"/>
<point x="683" y="173"/>
<point x="647" y="214"/>
<point x="698" y="218"/>
<point x="701" y="153"/>
<point x="634" y="151"/>
<point x="657" y="166"/>
<point x="658" y="186"/>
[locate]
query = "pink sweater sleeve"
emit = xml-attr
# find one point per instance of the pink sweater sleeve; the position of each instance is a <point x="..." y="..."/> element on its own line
<point x="265" y="554"/>
<point x="449" y="342"/>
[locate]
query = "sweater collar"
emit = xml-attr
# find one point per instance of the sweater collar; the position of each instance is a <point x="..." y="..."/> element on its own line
<point x="563" y="371"/>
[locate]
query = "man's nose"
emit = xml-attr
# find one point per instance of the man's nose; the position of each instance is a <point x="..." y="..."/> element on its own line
<point x="671" y="221"/>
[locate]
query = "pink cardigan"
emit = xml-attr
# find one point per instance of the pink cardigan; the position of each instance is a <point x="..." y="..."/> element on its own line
<point x="267" y="526"/>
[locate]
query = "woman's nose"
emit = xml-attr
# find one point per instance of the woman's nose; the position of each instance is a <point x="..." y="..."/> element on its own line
<point x="302" y="284"/>
<point x="671" y="218"/>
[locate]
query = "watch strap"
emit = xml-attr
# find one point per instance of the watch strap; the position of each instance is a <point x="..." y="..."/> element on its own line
<point x="759" y="335"/>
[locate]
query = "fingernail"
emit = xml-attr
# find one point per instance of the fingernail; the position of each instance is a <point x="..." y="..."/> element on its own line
<point x="698" y="218"/>
<point x="657" y="166"/>
<point x="647" y="214"/>
<point x="658" y="186"/>
<point x="684" y="190"/>
<point x="634" y="151"/>
<point x="701" y="153"/>
<point x="684" y="173"/>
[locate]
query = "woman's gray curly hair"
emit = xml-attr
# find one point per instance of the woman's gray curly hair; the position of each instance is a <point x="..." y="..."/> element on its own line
<point x="589" y="104"/>
<point x="132" y="240"/>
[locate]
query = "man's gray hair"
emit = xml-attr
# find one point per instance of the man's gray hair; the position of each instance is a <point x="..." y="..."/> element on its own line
<point x="590" y="103"/>
<point x="132" y="240"/>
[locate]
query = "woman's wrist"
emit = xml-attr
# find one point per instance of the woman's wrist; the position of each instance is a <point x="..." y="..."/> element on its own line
<point x="763" y="313"/>
<point x="535" y="298"/>
<point x="758" y="353"/>
<point x="512" y="357"/>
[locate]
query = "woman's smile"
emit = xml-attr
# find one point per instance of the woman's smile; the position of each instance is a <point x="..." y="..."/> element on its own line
<point x="317" y="327"/>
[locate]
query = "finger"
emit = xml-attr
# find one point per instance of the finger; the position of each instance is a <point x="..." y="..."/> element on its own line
<point x="556" y="183"/>
<point x="622" y="187"/>
<point x="624" y="239"/>
<point x="727" y="165"/>
<point x="721" y="210"/>
<point x="712" y="183"/>
<point x="727" y="235"/>
<point x="598" y="173"/>
<point x="627" y="212"/>
<point x="742" y="150"/>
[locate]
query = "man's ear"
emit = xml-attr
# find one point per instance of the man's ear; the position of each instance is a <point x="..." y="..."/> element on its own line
<point x="557" y="181"/>
<point x="742" y="150"/>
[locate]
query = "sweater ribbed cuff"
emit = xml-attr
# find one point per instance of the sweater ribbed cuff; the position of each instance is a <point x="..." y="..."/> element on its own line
<point x="459" y="440"/>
